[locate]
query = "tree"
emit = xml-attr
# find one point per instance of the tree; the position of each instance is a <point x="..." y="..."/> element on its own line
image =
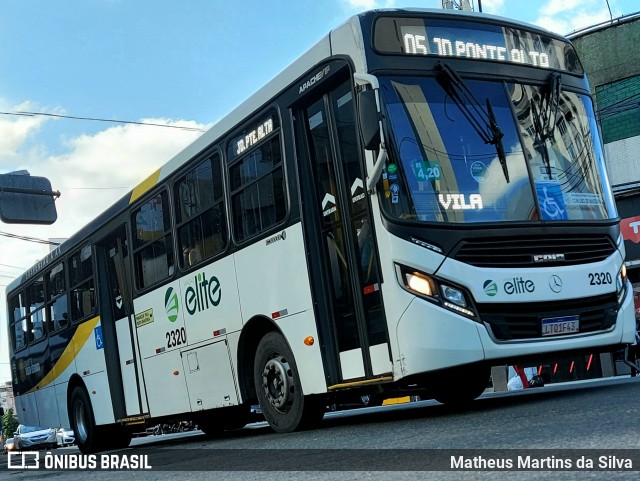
<point x="9" y="424"/>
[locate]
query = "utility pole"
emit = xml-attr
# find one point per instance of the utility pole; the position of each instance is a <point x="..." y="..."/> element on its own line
<point x="465" y="5"/>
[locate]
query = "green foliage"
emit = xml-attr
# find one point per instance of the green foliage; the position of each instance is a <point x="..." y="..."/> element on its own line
<point x="9" y="424"/>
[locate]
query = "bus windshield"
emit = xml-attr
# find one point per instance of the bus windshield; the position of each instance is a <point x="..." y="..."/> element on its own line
<point x="504" y="152"/>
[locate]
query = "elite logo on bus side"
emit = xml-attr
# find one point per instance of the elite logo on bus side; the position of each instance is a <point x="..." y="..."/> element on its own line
<point x="171" y="304"/>
<point x="203" y="294"/>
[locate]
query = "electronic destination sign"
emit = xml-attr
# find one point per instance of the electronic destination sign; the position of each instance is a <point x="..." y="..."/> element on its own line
<point x="473" y="40"/>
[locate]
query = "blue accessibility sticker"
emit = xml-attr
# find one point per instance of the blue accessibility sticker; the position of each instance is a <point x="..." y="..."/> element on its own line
<point x="97" y="333"/>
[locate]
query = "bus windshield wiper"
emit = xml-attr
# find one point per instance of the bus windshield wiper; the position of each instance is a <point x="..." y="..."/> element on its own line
<point x="483" y="121"/>
<point x="544" y="119"/>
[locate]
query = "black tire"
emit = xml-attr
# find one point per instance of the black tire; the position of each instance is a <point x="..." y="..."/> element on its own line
<point x="83" y="422"/>
<point x="278" y="388"/>
<point x="460" y="386"/>
<point x="116" y="437"/>
<point x="89" y="437"/>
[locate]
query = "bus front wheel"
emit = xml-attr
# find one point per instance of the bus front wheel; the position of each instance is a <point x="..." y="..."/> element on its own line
<point x="279" y="390"/>
<point x="461" y="385"/>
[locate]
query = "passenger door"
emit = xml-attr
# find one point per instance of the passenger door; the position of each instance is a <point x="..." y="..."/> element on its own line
<point x="338" y="227"/>
<point x="118" y="325"/>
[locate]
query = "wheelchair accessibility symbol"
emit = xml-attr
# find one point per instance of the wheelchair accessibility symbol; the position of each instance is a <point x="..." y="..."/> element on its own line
<point x="551" y="201"/>
<point x="97" y="333"/>
<point x="550" y="206"/>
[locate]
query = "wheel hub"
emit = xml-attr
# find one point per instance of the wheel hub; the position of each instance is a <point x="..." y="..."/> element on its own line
<point x="81" y="422"/>
<point x="276" y="382"/>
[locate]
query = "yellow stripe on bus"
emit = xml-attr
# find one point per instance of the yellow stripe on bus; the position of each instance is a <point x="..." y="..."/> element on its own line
<point x="78" y="340"/>
<point x="144" y="186"/>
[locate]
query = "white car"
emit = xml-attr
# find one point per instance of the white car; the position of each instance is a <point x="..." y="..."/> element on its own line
<point x="32" y="437"/>
<point x="65" y="437"/>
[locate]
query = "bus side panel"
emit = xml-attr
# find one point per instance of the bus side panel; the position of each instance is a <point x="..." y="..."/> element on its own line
<point x="210" y="303"/>
<point x="28" y="410"/>
<point x="209" y="377"/>
<point x="90" y="350"/>
<point x="233" y="340"/>
<point x="161" y="334"/>
<point x="100" y="395"/>
<point x="308" y="358"/>
<point x="166" y="384"/>
<point x="19" y="410"/>
<point x="47" y="406"/>
<point x="61" y="401"/>
<point x="91" y="366"/>
<point x="273" y="281"/>
<point x="159" y="321"/>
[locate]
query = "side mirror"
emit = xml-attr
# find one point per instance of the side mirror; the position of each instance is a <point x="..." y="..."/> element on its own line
<point x="369" y="119"/>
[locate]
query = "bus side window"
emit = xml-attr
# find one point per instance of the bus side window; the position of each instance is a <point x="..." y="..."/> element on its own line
<point x="257" y="182"/>
<point x="153" y="242"/>
<point x="35" y="299"/>
<point x="83" y="299"/>
<point x="57" y="299"/>
<point x="18" y="329"/>
<point x="200" y="212"/>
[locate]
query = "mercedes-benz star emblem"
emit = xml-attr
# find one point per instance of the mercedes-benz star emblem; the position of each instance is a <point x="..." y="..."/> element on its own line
<point x="555" y="283"/>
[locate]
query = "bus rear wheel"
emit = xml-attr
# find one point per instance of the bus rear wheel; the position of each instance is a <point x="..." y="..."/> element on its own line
<point x="224" y="419"/>
<point x="83" y="422"/>
<point x="279" y="390"/>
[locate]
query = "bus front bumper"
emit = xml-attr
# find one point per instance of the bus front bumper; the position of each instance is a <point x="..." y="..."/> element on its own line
<point x="432" y="338"/>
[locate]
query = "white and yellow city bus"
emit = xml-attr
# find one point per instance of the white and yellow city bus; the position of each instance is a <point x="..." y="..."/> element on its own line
<point x="418" y="197"/>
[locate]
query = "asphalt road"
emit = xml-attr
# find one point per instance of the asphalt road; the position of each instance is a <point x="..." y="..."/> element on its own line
<point x="555" y="424"/>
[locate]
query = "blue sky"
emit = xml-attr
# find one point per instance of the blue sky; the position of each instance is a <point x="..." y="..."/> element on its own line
<point x="180" y="64"/>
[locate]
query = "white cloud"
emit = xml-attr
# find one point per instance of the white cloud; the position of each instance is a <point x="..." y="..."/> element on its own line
<point x="491" y="6"/>
<point x="368" y="4"/>
<point x="15" y="130"/>
<point x="87" y="176"/>
<point x="96" y="171"/>
<point x="573" y="20"/>
<point x="553" y="7"/>
<point x="97" y="165"/>
<point x="570" y="15"/>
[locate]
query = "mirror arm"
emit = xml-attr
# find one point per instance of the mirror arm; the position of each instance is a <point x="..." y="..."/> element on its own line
<point x="377" y="169"/>
<point x="364" y="79"/>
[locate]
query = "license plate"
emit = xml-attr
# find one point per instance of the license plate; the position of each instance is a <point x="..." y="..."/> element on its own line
<point x="557" y="326"/>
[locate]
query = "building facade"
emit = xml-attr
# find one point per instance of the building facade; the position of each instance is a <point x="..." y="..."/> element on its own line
<point x="6" y="397"/>
<point x="611" y="58"/>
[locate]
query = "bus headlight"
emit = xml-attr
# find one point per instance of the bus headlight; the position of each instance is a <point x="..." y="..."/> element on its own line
<point x="420" y="283"/>
<point x="435" y="290"/>
<point x="621" y="283"/>
<point x="454" y="295"/>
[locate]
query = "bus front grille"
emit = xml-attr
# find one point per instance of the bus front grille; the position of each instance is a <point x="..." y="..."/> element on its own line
<point x="534" y="251"/>
<point x="509" y="322"/>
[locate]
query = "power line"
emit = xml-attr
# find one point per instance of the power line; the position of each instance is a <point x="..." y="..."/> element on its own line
<point x="96" y="119"/>
<point x="29" y="239"/>
<point x="13" y="267"/>
<point x="97" y="188"/>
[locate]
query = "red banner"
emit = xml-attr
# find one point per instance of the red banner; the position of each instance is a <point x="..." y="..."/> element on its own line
<point x="630" y="228"/>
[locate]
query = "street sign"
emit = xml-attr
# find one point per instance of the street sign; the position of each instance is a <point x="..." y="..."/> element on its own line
<point x="25" y="199"/>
